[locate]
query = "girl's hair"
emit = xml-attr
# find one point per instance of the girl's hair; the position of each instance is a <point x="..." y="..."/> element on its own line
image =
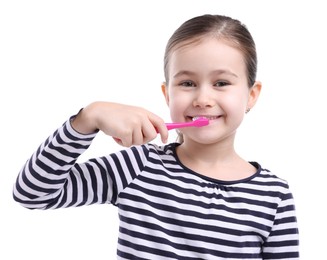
<point x="224" y="28"/>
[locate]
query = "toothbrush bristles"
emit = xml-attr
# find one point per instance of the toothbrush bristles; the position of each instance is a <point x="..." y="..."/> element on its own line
<point x="197" y="118"/>
<point x="201" y="121"/>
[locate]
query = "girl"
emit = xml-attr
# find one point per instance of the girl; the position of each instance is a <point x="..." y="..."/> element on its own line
<point x="193" y="199"/>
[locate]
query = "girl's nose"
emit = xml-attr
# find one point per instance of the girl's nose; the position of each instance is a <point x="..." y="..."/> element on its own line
<point x="203" y="98"/>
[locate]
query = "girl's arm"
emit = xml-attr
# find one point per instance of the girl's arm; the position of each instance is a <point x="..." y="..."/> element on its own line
<point x="283" y="241"/>
<point x="51" y="178"/>
<point x="129" y="125"/>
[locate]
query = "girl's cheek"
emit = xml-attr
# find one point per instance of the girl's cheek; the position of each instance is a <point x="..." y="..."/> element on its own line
<point x="177" y="107"/>
<point x="174" y="98"/>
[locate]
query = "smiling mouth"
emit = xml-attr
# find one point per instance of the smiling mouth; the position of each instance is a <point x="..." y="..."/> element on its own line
<point x="207" y="117"/>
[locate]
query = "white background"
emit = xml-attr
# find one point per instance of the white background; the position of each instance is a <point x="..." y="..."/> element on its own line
<point x="58" y="56"/>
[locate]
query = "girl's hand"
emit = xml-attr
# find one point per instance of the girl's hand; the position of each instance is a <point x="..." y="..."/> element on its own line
<point x="128" y="125"/>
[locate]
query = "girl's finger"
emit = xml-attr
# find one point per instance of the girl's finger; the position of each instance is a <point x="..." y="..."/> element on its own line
<point x="160" y="128"/>
<point x="138" y="137"/>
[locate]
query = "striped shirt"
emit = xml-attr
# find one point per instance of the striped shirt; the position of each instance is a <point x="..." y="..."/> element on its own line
<point x="166" y="210"/>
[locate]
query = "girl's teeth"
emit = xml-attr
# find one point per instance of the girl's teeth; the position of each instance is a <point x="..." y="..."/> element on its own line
<point x="207" y="117"/>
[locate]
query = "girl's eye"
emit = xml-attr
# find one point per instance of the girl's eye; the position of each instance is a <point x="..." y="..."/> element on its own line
<point x="187" y="84"/>
<point x="221" y="84"/>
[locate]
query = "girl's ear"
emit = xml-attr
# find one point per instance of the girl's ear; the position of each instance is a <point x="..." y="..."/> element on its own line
<point x="164" y="89"/>
<point x="254" y="93"/>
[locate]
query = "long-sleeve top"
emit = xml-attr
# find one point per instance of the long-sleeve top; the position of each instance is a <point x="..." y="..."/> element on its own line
<point x="166" y="210"/>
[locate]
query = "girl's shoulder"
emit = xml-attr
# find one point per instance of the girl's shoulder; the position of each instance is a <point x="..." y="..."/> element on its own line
<point x="267" y="175"/>
<point x="269" y="181"/>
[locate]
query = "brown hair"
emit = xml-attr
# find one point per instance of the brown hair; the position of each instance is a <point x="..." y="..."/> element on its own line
<point x="221" y="27"/>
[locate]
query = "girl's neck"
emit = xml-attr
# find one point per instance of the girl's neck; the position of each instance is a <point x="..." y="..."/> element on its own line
<point x="218" y="161"/>
<point x="210" y="153"/>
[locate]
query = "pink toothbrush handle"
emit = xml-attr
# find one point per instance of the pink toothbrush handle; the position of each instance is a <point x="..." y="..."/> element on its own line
<point x="201" y="121"/>
<point x="178" y="125"/>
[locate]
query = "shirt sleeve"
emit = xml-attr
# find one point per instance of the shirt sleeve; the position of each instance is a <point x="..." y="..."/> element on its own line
<point x="51" y="178"/>
<point x="283" y="241"/>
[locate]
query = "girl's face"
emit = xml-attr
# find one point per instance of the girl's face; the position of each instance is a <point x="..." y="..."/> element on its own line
<point x="208" y="78"/>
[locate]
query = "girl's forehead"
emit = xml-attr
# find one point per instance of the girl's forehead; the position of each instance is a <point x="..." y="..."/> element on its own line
<point x="207" y="55"/>
<point x="207" y="49"/>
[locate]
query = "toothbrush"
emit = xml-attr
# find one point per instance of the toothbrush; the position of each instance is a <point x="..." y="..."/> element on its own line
<point x="197" y="122"/>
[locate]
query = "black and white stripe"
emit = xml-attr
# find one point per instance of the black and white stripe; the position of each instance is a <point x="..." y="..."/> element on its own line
<point x="166" y="211"/>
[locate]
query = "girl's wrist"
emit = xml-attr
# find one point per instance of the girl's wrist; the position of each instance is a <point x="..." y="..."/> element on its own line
<point x="84" y="122"/>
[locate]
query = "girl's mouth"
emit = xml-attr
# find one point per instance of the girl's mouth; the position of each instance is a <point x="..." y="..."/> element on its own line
<point x="208" y="117"/>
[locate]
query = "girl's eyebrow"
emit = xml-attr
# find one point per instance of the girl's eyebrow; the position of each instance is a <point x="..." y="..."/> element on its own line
<point x="184" y="73"/>
<point x="224" y="71"/>
<point x="215" y="72"/>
